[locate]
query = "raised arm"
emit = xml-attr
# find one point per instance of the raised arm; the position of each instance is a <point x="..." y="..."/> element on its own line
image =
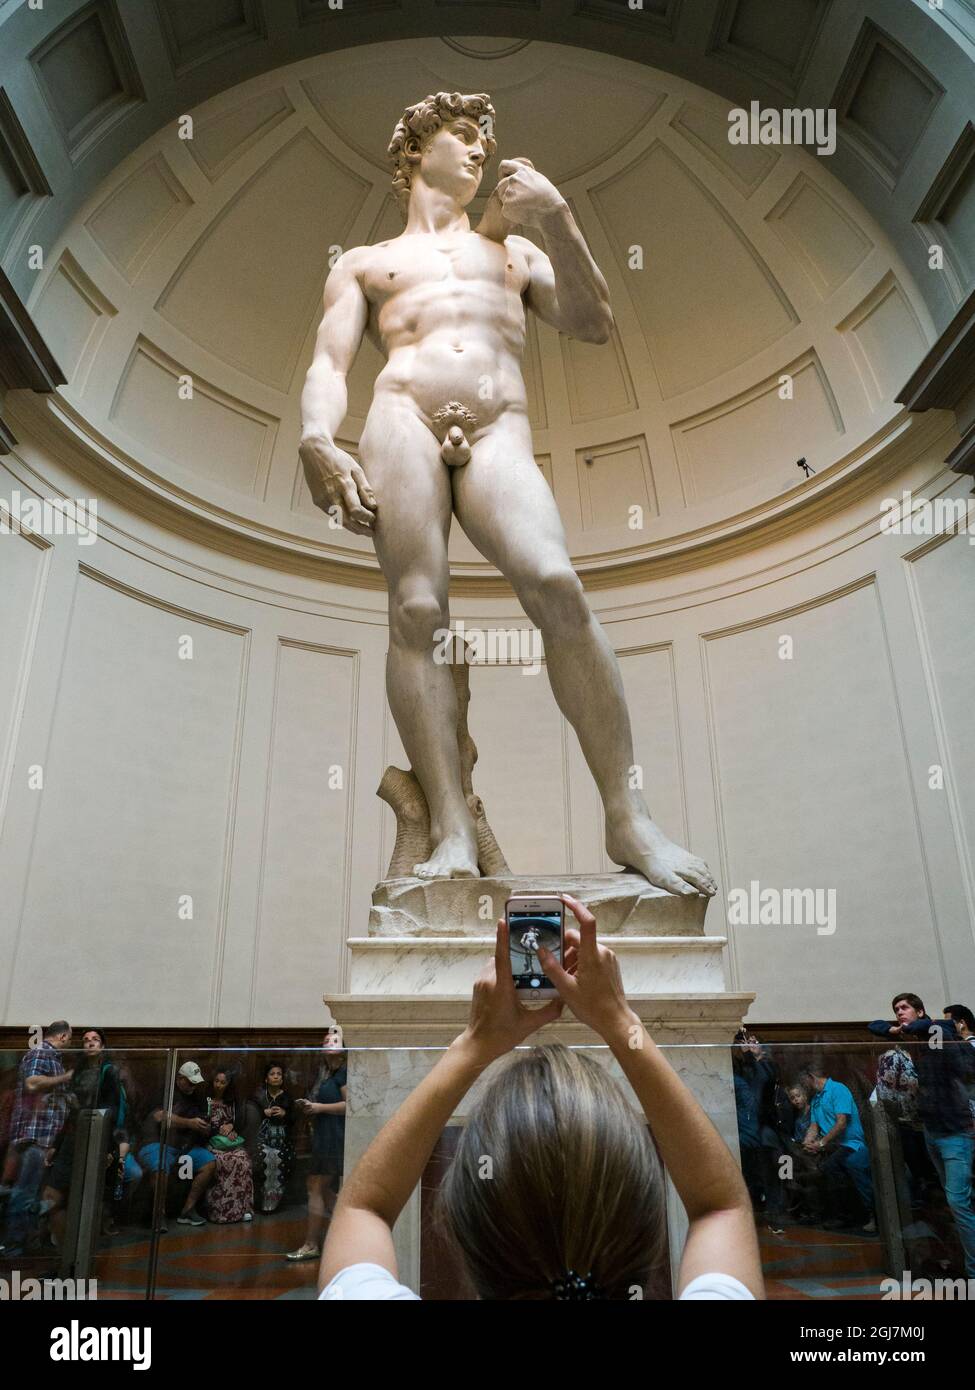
<point x="566" y="287"/>
<point x="334" y="478"/>
<point x="379" y="1186"/>
<point x="721" y="1233"/>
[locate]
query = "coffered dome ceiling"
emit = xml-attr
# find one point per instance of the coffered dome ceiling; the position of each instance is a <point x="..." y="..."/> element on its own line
<point x="762" y="314"/>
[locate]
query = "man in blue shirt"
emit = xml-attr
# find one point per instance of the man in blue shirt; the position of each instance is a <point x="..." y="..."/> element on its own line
<point x="835" y="1131"/>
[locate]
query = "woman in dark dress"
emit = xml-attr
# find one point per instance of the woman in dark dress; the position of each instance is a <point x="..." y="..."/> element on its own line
<point x="325" y="1107"/>
<point x="275" y="1151"/>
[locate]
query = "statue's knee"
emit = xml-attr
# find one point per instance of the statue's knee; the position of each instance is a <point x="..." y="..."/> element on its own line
<point x="554" y="600"/>
<point x="415" y="620"/>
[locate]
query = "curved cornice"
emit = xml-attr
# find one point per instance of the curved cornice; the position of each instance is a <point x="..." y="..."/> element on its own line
<point x="56" y="426"/>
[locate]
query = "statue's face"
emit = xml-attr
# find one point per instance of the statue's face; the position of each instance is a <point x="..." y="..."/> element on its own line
<point x="452" y="160"/>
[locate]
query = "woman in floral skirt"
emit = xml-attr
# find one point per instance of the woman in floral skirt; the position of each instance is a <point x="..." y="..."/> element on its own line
<point x="230" y="1196"/>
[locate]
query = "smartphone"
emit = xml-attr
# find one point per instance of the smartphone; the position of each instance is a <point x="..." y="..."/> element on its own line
<point x="534" y="922"/>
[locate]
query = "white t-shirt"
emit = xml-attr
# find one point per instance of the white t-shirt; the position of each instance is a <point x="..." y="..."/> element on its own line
<point x="368" y="1281"/>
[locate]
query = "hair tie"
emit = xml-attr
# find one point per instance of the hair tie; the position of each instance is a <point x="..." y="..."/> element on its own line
<point x="571" y="1287"/>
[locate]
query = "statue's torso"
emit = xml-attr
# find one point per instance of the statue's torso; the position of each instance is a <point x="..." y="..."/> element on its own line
<point x="447" y="313"/>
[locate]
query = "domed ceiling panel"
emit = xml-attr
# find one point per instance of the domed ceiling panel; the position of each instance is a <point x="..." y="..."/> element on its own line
<point x="885" y="340"/>
<point x="88" y="75"/>
<point x="208" y="432"/>
<point x="73" y="315"/>
<point x="745" y="165"/>
<point x="770" y="37"/>
<point x="132" y="221"/>
<point x="219" y="142"/>
<point x="946" y="217"/>
<point x="613" y="480"/>
<point x="884" y="101"/>
<point x="246" y="289"/>
<point x="826" y="242"/>
<point x="597" y="377"/>
<point x="958" y="217"/>
<point x="369" y="96"/>
<point x="759" y="435"/>
<point x="704" y="299"/>
<point x="199" y="31"/>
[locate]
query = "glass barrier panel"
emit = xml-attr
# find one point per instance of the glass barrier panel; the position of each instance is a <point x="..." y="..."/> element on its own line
<point x="852" y="1155"/>
<point x="857" y="1159"/>
<point x="74" y="1208"/>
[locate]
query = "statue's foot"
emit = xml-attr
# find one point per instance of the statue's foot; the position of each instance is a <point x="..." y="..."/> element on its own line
<point x="636" y="842"/>
<point x="454" y="857"/>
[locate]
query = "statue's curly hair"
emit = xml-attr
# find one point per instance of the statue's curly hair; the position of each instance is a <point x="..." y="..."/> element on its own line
<point x="421" y="120"/>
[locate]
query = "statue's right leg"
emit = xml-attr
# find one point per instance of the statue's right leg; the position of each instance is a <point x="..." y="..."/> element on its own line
<point x="401" y="459"/>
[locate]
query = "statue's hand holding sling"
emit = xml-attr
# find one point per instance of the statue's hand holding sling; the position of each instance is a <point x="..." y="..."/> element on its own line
<point x="338" y="485"/>
<point x="522" y="196"/>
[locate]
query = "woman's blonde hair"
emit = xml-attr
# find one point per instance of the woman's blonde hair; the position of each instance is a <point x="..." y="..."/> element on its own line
<point x="555" y="1171"/>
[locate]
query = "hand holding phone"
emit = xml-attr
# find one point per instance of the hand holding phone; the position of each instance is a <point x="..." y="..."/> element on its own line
<point x="499" y="1021"/>
<point x="590" y="981"/>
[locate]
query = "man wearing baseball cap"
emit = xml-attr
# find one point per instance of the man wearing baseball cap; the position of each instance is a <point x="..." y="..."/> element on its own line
<point x="186" y="1147"/>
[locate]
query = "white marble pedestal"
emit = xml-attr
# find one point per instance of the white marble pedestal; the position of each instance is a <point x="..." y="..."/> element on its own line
<point x="411" y="980"/>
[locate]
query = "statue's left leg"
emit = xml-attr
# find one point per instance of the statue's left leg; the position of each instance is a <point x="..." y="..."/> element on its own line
<point x="505" y="506"/>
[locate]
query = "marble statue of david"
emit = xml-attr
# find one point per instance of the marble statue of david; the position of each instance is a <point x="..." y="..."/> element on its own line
<point x="447" y="433"/>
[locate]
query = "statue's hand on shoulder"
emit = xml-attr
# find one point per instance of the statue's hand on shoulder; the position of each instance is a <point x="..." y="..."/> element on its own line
<point x="338" y="485"/>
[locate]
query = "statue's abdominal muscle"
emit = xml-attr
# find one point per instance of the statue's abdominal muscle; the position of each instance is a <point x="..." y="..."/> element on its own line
<point x="450" y="336"/>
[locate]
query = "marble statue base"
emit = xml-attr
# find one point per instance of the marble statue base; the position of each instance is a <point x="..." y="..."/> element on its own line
<point x="433" y="937"/>
<point x="410" y="991"/>
<point x="625" y="904"/>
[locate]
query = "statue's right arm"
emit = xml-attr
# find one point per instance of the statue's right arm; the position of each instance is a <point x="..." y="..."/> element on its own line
<point x="333" y="476"/>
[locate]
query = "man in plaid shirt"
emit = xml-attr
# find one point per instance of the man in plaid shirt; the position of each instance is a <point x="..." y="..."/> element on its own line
<point x="40" y="1106"/>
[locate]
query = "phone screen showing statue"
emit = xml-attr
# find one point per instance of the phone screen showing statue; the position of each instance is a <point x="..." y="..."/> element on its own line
<point x="526" y="932"/>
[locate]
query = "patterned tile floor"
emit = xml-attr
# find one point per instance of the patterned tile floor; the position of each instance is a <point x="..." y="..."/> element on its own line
<point x="247" y="1262"/>
<point x="805" y="1263"/>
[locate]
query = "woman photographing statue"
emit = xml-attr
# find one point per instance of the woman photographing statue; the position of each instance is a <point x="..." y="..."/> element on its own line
<point x="576" y="1204"/>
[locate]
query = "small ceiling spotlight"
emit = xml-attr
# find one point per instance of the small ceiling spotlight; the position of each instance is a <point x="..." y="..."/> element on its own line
<point x="807" y="469"/>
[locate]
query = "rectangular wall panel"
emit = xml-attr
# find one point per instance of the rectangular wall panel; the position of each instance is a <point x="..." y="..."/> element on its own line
<point x="303" y="912"/>
<point x="22" y="564"/>
<point x="814" y="793"/>
<point x="648" y="680"/>
<point x="134" y="819"/>
<point x="943" y="587"/>
<point x="521" y="773"/>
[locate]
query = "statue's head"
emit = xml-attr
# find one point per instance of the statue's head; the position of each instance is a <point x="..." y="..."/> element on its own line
<point x="448" y="137"/>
